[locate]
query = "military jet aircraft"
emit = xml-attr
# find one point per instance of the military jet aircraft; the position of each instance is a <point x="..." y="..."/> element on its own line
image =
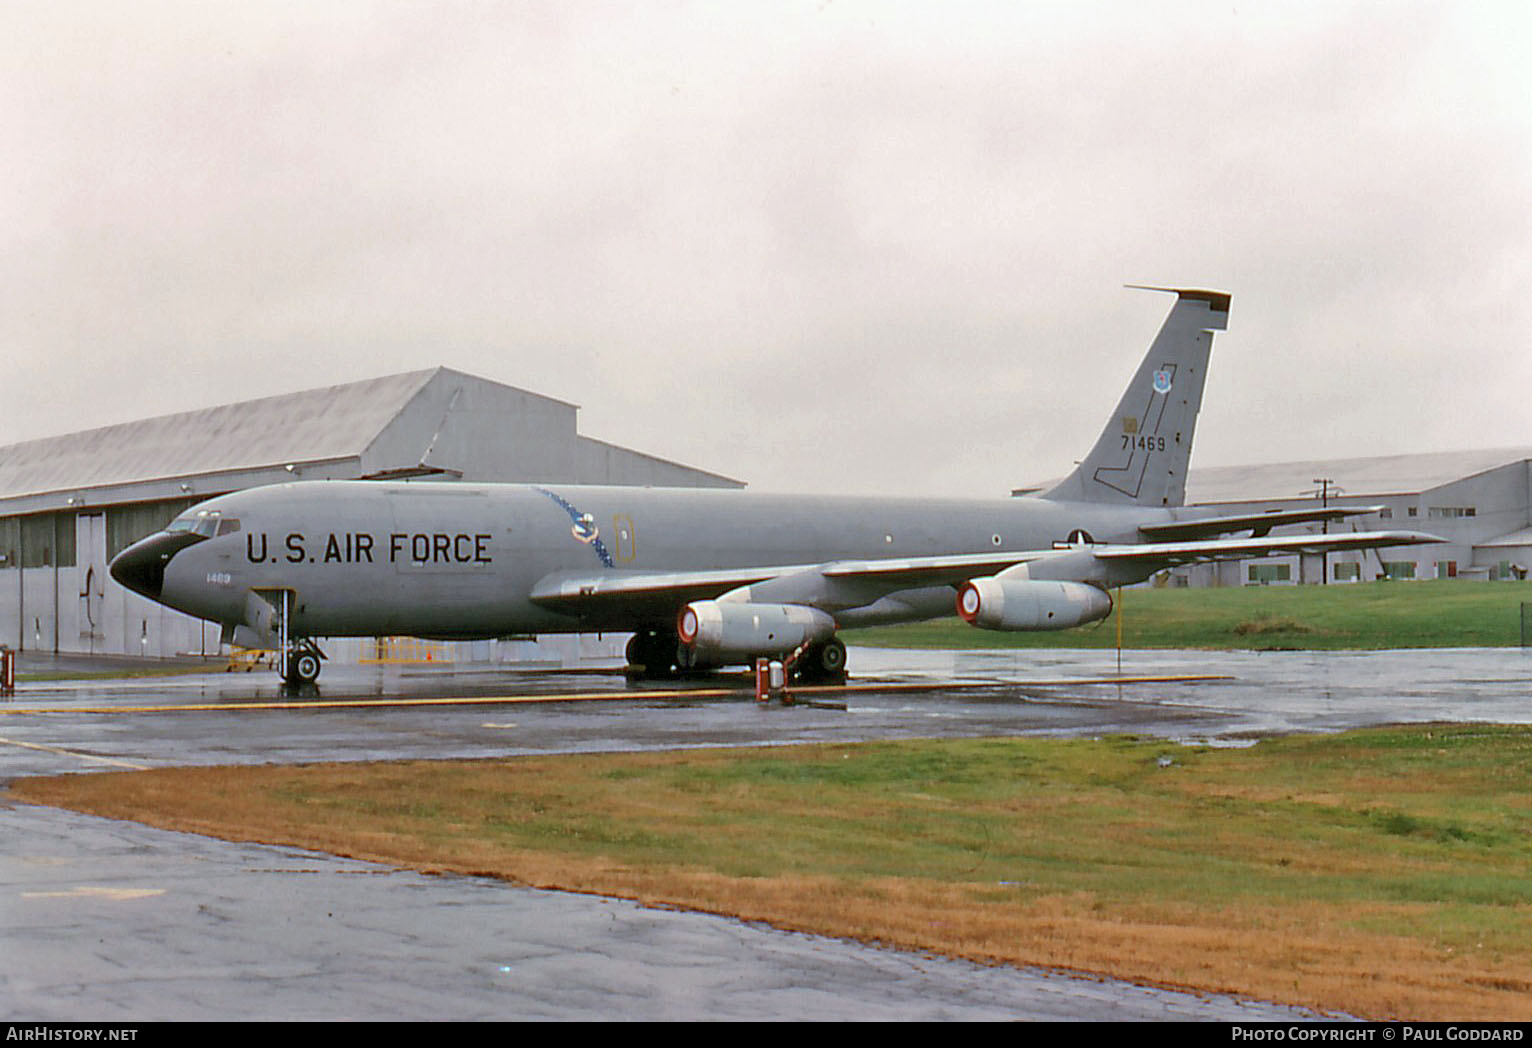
<point x="706" y="577"/>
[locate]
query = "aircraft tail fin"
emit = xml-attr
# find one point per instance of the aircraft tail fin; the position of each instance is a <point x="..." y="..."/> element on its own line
<point x="1142" y="455"/>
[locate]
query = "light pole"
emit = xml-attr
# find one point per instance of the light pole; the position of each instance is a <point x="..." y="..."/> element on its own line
<point x="1324" y="502"/>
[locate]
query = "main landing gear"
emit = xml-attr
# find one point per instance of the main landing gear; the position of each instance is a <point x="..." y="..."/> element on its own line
<point x="654" y="653"/>
<point x="822" y="663"/>
<point x="660" y="654"/>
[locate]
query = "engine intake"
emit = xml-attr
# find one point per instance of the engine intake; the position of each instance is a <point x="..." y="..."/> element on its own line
<point x="719" y="631"/>
<point x="1029" y="604"/>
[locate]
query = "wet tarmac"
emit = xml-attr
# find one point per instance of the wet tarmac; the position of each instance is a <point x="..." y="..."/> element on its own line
<point x="110" y="920"/>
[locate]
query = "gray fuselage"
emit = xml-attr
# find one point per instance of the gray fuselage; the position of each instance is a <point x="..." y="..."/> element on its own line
<point x="363" y="558"/>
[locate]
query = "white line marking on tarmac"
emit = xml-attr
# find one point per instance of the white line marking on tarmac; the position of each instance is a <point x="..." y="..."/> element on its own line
<point x="90" y="891"/>
<point x="75" y="753"/>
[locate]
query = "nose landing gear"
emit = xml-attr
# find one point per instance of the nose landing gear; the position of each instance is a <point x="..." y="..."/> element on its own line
<point x="301" y="663"/>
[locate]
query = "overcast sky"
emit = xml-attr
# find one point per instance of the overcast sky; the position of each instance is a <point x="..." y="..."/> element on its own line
<point x="820" y="246"/>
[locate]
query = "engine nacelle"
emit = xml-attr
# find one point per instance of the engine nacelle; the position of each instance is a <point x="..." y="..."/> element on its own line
<point x="721" y="631"/>
<point x="1028" y="604"/>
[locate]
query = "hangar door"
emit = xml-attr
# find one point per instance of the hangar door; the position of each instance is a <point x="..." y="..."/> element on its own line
<point x="90" y="558"/>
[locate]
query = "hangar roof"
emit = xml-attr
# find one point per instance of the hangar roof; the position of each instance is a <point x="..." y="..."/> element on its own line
<point x="330" y="423"/>
<point x="1515" y="538"/>
<point x="433" y="421"/>
<point x="1380" y="475"/>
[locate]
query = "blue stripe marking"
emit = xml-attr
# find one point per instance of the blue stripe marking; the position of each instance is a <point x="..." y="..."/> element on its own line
<point x="575" y="517"/>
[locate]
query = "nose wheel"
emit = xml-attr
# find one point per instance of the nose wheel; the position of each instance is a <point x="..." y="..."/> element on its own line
<point x="301" y="665"/>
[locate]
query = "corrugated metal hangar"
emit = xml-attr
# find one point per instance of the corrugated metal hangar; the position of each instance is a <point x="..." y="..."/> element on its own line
<point x="69" y="504"/>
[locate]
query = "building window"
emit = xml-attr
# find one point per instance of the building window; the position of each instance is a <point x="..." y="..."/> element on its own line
<point x="46" y="540"/>
<point x="1399" y="569"/>
<point x="10" y="541"/>
<point x="1348" y="571"/>
<point x="1261" y="574"/>
<point x="1450" y="512"/>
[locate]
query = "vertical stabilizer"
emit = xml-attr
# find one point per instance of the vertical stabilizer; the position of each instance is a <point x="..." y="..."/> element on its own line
<point x="1142" y="455"/>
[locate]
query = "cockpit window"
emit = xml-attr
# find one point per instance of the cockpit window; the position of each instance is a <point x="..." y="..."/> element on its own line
<point x="204" y="522"/>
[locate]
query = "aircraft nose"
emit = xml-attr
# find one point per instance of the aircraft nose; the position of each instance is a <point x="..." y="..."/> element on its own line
<point x="141" y="567"/>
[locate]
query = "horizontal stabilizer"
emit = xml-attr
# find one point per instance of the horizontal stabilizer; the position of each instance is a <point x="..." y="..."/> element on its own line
<point x="1258" y="524"/>
<point x="1171" y="553"/>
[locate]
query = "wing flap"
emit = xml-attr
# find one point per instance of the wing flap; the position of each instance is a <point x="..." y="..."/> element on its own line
<point x="932" y="571"/>
<point x="571" y="589"/>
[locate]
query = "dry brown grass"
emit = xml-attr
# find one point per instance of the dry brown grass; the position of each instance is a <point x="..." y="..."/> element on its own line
<point x="1334" y="955"/>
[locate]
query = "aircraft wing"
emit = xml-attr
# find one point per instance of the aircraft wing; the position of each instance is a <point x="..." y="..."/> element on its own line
<point x="621" y="598"/>
<point x="849" y="583"/>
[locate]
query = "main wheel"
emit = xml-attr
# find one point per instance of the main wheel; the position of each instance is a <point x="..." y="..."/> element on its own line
<point x="831" y="657"/>
<point x="825" y="661"/>
<point x="654" y="651"/>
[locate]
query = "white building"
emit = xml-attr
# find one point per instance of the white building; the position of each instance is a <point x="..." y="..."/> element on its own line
<point x="1479" y="501"/>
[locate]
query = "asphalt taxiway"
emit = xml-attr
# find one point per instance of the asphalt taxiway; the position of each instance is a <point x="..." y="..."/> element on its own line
<point x="111" y="920"/>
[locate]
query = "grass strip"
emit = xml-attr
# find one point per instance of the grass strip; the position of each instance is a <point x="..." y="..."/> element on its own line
<point x="1380" y="873"/>
<point x="1449" y="613"/>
